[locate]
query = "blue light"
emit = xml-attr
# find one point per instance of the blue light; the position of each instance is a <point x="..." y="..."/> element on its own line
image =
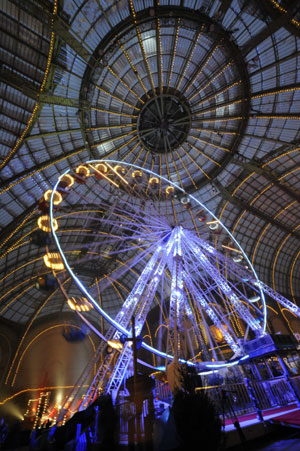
<point x="170" y="239"/>
<point x="84" y="290"/>
<point x="228" y="364"/>
<point x="245" y="357"/>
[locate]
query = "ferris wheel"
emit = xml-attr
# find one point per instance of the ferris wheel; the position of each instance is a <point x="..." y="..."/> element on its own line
<point x="136" y="244"/>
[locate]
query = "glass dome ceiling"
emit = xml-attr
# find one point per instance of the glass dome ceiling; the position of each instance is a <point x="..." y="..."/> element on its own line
<point x="203" y="92"/>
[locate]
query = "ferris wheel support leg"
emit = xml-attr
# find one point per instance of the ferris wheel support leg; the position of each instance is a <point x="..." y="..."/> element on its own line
<point x="123" y="318"/>
<point x="280" y="299"/>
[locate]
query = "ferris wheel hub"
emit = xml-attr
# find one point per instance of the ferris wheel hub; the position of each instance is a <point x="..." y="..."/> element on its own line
<point x="164" y="121"/>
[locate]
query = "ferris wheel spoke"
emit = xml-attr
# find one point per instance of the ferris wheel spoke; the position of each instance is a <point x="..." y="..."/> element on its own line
<point x="196" y="329"/>
<point x="104" y="238"/>
<point x="142" y="215"/>
<point x="207" y="295"/>
<point x="144" y="308"/>
<point x="131" y="302"/>
<point x="127" y="249"/>
<point x="244" y="297"/>
<point x="121" y="216"/>
<point x="225" y="288"/>
<point x="128" y="265"/>
<point x="202" y="303"/>
<point x="237" y="272"/>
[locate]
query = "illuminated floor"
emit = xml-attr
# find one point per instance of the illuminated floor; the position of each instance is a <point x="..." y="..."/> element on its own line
<point x="264" y="437"/>
<point x="249" y="420"/>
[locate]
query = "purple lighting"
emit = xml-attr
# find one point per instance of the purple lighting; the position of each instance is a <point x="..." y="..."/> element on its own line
<point x="162" y="258"/>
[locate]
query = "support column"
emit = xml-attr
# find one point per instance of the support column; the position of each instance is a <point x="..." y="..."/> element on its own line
<point x="286" y="375"/>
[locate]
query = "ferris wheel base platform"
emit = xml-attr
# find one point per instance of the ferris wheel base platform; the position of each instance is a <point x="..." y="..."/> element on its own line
<point x="252" y="428"/>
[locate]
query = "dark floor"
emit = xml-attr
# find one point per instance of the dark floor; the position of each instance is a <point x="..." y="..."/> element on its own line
<point x="282" y="439"/>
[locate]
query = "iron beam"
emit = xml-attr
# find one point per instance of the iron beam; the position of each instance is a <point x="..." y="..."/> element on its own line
<point x="64" y="101"/>
<point x="17" y="220"/>
<point x="225" y="5"/>
<point x="276" y="90"/>
<point x="54" y="133"/>
<point x="21" y="176"/>
<point x="243" y="205"/>
<point x="62" y="29"/>
<point x="19" y="83"/>
<point x="252" y="166"/>
<point x="278" y="22"/>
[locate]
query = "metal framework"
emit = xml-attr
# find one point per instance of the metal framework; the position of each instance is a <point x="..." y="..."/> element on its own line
<point x="61" y="60"/>
<point x="204" y="281"/>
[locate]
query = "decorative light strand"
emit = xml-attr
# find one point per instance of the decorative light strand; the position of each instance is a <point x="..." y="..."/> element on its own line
<point x="202" y="153"/>
<point x="116" y="98"/>
<point x="42" y="87"/>
<point x="141" y="44"/>
<point x="174" y="51"/>
<point x="210" y="81"/>
<point x="218" y="93"/>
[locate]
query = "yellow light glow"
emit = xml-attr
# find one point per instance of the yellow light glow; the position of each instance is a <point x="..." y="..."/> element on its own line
<point x="231" y="248"/>
<point x="136" y="173"/>
<point x="115" y="344"/>
<point x="153" y="180"/>
<point x="201" y="217"/>
<point x="43" y="223"/>
<point x="70" y="304"/>
<point x="101" y="168"/>
<point x="81" y="304"/>
<point x="103" y="175"/>
<point x="83" y="170"/>
<point x="53" y="260"/>
<point x="57" y="197"/>
<point x="218" y="333"/>
<point x="114" y="169"/>
<point x="170" y="190"/>
<point x="68" y="179"/>
<point x="119" y="168"/>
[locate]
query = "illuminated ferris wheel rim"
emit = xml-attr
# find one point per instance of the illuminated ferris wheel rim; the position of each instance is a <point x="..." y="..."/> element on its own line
<point x="178" y="188"/>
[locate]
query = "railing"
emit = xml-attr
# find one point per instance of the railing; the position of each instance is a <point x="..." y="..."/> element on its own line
<point x="163" y="392"/>
<point x="230" y="400"/>
<point x="126" y="412"/>
<point x="234" y="399"/>
<point x="272" y="393"/>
